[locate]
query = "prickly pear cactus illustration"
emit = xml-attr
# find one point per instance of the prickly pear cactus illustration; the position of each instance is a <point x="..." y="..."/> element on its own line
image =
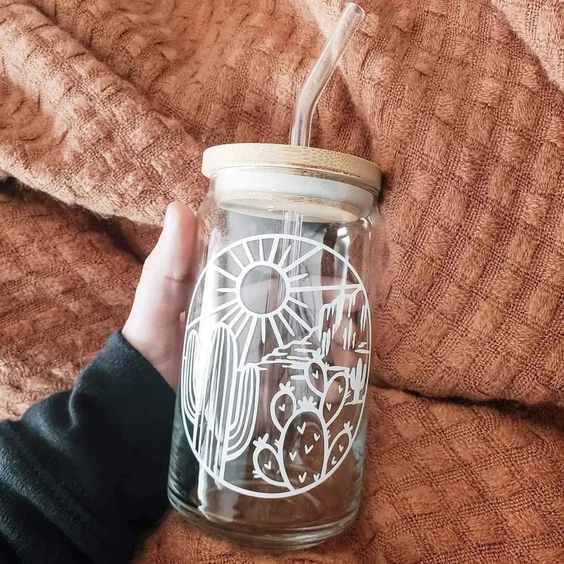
<point x="275" y="367"/>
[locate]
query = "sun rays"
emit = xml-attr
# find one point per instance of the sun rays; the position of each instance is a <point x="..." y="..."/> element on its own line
<point x="266" y="285"/>
<point x="279" y="318"/>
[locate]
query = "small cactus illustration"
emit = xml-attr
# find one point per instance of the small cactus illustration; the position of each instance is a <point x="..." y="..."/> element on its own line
<point x="282" y="405"/>
<point x="339" y="445"/>
<point x="305" y="451"/>
<point x="357" y="380"/>
<point x="335" y="395"/>
<point x="315" y="373"/>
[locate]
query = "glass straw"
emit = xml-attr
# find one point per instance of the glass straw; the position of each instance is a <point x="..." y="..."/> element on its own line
<point x="315" y="82"/>
<point x="319" y="76"/>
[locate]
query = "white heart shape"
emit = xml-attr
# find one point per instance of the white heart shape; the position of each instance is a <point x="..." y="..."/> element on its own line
<point x="293" y="455"/>
<point x="268" y="465"/>
<point x="341" y="447"/>
<point x="329" y="406"/>
<point x="302" y="477"/>
<point x="308" y="448"/>
<point x="334" y="461"/>
<point x="301" y="429"/>
<point x="316" y="477"/>
<point x="316" y="436"/>
<point x="282" y="407"/>
<point x="315" y="374"/>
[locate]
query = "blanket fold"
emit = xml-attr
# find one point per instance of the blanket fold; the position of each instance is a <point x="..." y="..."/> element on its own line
<point x="105" y="108"/>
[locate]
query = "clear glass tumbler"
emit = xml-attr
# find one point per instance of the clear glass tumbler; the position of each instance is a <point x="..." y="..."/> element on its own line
<point x="269" y="429"/>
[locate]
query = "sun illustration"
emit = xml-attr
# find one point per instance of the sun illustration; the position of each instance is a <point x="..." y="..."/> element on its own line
<point x="266" y="285"/>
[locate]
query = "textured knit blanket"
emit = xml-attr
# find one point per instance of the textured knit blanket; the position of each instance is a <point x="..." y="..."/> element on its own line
<point x="105" y="108"/>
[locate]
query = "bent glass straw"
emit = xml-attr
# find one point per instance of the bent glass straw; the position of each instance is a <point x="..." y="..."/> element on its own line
<point x="319" y="75"/>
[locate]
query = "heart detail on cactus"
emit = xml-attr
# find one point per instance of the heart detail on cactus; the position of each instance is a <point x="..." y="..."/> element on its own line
<point x="308" y="448"/>
<point x="329" y="406"/>
<point x="302" y="477"/>
<point x="316" y="477"/>
<point x="316" y="436"/>
<point x="282" y="407"/>
<point x="334" y="461"/>
<point x="268" y="465"/>
<point x="341" y="447"/>
<point x="301" y="428"/>
<point x="293" y="455"/>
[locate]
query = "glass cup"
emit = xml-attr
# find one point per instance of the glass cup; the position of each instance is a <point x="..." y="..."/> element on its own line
<point x="270" y="421"/>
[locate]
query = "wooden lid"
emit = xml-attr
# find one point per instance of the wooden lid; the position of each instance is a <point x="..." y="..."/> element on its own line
<point x="317" y="161"/>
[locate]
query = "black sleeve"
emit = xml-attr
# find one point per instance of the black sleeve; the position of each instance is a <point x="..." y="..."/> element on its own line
<point x="83" y="473"/>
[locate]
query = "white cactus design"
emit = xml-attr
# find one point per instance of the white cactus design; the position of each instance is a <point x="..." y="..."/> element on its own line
<point x="357" y="380"/>
<point x="331" y="389"/>
<point x="307" y="418"/>
<point x="189" y="389"/>
<point x="318" y="350"/>
<point x="222" y="405"/>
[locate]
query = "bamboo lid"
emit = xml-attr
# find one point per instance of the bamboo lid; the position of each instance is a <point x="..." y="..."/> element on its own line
<point x="316" y="161"/>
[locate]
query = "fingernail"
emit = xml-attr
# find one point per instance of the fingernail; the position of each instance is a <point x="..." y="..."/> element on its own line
<point x="168" y="223"/>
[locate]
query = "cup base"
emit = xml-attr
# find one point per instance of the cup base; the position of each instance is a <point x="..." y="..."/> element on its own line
<point x="262" y="539"/>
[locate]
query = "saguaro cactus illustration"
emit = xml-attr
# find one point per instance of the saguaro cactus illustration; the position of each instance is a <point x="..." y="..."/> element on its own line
<point x="357" y="380"/>
<point x="242" y="401"/>
<point x="220" y="400"/>
<point x="189" y="388"/>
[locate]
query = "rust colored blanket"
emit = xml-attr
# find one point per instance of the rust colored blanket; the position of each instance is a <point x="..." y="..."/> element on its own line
<point x="105" y="107"/>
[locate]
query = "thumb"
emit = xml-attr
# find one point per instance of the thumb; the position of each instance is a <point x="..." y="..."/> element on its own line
<point x="153" y="325"/>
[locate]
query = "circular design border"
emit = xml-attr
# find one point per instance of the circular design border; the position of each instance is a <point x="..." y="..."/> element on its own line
<point x="312" y="485"/>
